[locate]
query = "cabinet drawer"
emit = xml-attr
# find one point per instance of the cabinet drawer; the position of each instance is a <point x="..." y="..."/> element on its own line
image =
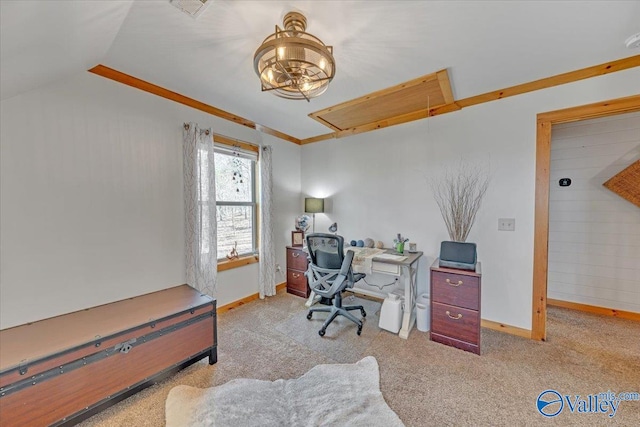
<point x="385" y="268"/>
<point x="455" y="322"/>
<point x="296" y="280"/>
<point x="462" y="345"/>
<point x="455" y="289"/>
<point x="296" y="259"/>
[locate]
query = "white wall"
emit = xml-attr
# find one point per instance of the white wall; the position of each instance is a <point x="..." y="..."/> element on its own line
<point x="594" y="234"/>
<point x="91" y="192"/>
<point x="91" y="197"/>
<point x="378" y="183"/>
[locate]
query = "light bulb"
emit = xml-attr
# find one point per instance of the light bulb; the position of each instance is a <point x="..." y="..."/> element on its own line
<point x="281" y="52"/>
<point x="270" y="75"/>
<point x="322" y="63"/>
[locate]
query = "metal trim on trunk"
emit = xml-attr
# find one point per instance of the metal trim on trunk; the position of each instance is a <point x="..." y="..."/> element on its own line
<point x="23" y="366"/>
<point x="123" y="347"/>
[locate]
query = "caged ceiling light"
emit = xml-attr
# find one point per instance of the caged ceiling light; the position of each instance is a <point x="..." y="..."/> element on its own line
<point x="294" y="64"/>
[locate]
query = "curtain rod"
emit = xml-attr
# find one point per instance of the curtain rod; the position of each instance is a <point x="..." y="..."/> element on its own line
<point x="223" y="139"/>
<point x="187" y="126"/>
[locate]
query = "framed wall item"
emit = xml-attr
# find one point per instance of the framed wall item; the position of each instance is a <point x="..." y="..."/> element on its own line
<point x="297" y="238"/>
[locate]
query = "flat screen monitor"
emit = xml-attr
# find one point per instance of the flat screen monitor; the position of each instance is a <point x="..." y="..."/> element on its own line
<point x="460" y="255"/>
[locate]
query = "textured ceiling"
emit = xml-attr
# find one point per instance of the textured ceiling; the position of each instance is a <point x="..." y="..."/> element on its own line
<point x="484" y="46"/>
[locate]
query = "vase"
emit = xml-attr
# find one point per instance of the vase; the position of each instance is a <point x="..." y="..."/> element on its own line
<point x="400" y="247"/>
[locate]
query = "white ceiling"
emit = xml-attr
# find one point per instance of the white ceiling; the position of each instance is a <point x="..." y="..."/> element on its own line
<point x="484" y="45"/>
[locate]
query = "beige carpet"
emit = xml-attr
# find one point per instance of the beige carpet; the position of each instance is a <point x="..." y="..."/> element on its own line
<point x="425" y="383"/>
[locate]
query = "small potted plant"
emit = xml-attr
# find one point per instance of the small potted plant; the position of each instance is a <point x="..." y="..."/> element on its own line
<point x="398" y="243"/>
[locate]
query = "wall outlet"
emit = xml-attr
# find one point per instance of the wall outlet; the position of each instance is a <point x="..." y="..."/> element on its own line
<point x="278" y="268"/>
<point x="506" y="224"/>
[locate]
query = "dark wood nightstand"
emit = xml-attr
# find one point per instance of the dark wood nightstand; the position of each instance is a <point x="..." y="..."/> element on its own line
<point x="296" y="267"/>
<point x="455" y="307"/>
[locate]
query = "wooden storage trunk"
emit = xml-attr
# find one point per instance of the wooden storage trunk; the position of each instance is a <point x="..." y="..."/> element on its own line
<point x="62" y="370"/>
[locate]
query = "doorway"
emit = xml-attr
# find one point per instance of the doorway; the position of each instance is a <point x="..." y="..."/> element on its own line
<point x="545" y="121"/>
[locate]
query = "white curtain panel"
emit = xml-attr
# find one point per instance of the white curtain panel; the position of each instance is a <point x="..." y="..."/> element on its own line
<point x="267" y="249"/>
<point x="201" y="250"/>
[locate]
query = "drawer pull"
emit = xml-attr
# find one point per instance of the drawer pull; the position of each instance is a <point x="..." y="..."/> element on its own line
<point x="295" y="275"/>
<point x="458" y="317"/>
<point x="295" y="254"/>
<point x="454" y="284"/>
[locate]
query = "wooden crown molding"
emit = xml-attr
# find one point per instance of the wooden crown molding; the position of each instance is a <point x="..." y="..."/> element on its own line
<point x="560" y="79"/>
<point x="557" y="80"/>
<point x="442" y="77"/>
<point x="137" y="83"/>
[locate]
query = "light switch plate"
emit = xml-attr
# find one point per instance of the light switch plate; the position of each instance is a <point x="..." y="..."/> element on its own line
<point x="506" y="224"/>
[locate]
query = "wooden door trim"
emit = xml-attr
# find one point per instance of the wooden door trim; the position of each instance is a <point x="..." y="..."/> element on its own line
<point x="541" y="216"/>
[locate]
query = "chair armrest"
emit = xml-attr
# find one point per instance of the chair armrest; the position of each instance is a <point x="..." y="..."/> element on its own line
<point x="339" y="282"/>
<point x="346" y="263"/>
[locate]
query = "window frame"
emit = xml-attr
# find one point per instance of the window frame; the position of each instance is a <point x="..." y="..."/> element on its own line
<point x="223" y="143"/>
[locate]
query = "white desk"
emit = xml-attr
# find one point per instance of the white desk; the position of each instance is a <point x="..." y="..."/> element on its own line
<point x="407" y="272"/>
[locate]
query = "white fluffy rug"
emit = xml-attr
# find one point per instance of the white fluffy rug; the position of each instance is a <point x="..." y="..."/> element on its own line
<point x="327" y="395"/>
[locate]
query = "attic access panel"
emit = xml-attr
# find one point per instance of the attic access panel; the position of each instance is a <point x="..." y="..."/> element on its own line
<point x="626" y="183"/>
<point x="429" y="91"/>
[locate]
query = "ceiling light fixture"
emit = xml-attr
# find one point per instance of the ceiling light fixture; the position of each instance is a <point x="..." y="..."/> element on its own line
<point x="294" y="64"/>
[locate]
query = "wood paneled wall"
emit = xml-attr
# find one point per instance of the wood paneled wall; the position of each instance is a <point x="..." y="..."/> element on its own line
<point x="594" y="235"/>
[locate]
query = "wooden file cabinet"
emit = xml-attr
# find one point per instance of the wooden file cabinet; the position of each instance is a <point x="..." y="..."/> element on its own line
<point x="296" y="267"/>
<point x="455" y="307"/>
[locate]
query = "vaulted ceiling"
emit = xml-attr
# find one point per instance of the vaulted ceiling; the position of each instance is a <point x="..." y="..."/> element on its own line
<point x="483" y="45"/>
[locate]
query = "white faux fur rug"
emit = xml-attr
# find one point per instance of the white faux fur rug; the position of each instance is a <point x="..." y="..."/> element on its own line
<point x="327" y="395"/>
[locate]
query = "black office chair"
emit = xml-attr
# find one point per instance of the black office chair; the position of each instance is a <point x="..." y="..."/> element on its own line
<point x="329" y="274"/>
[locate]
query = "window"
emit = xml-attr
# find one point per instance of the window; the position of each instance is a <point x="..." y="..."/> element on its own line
<point x="236" y="207"/>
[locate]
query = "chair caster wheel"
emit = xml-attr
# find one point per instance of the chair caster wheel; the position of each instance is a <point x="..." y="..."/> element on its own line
<point x="359" y="330"/>
<point x="364" y="313"/>
<point x="309" y="316"/>
<point x="321" y="332"/>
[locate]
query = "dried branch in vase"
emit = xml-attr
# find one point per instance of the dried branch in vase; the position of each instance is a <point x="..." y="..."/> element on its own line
<point x="459" y="194"/>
